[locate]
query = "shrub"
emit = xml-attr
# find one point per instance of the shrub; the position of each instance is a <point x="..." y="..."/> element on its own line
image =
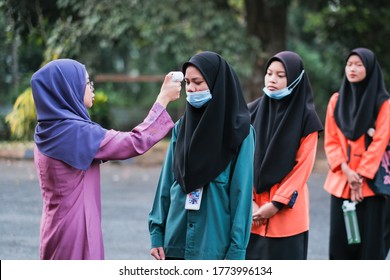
<point x="100" y="112"/>
<point x="23" y="117"/>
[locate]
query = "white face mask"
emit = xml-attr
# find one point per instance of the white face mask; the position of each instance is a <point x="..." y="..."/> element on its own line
<point x="280" y="93"/>
<point x="199" y="98"/>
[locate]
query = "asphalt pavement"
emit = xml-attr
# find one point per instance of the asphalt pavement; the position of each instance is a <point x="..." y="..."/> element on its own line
<point x="127" y="195"/>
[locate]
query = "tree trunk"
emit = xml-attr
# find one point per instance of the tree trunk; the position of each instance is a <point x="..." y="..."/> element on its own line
<point x="266" y="20"/>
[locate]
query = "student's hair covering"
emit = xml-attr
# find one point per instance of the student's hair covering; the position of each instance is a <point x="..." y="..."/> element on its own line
<point x="281" y="124"/>
<point x="64" y="130"/>
<point x="358" y="104"/>
<point x="209" y="137"/>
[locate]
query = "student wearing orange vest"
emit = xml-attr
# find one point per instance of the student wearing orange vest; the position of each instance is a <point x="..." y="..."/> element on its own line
<point x="360" y="109"/>
<point x="287" y="128"/>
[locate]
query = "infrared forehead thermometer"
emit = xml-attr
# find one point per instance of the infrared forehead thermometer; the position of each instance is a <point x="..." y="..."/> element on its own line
<point x="177" y="76"/>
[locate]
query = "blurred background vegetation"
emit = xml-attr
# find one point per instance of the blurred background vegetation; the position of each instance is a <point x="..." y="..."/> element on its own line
<point x="135" y="38"/>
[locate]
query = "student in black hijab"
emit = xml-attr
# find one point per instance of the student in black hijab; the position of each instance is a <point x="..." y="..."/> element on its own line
<point x="202" y="207"/>
<point x="357" y="114"/>
<point x="287" y="128"/>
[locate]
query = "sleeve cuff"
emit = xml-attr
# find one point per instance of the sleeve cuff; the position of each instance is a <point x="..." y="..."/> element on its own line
<point x="277" y="204"/>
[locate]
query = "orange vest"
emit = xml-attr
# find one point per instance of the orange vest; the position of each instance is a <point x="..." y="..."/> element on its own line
<point x="290" y="221"/>
<point x="365" y="162"/>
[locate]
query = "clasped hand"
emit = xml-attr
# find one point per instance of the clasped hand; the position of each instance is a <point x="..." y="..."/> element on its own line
<point x="261" y="214"/>
<point x="355" y="183"/>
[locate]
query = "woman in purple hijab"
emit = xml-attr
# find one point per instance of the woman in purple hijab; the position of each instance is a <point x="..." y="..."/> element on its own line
<point x="68" y="152"/>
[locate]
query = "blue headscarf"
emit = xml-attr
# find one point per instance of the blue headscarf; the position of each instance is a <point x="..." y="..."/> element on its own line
<point x="64" y="130"/>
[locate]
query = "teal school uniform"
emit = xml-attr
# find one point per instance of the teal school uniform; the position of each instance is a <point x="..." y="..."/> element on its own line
<point x="220" y="229"/>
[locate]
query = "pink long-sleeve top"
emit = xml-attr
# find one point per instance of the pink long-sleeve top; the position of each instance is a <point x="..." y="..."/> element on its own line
<point x="71" y="216"/>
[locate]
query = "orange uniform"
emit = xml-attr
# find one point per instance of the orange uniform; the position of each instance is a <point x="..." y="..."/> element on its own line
<point x="365" y="162"/>
<point x="292" y="191"/>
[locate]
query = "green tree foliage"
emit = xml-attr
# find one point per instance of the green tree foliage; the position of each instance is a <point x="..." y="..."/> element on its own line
<point x="138" y="37"/>
<point x="133" y="37"/>
<point x="322" y="64"/>
<point x="348" y="24"/>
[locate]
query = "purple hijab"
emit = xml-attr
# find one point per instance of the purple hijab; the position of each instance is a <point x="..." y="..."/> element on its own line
<point x="64" y="130"/>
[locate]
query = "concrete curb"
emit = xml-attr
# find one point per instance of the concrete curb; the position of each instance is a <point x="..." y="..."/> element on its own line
<point x="17" y="150"/>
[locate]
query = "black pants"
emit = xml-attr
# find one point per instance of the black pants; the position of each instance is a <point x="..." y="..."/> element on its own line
<point x="387" y="226"/>
<point x="371" y="219"/>
<point x="284" y="248"/>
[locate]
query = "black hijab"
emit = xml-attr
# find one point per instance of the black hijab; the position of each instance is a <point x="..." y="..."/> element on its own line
<point x="280" y="125"/>
<point x="209" y="137"/>
<point x="359" y="103"/>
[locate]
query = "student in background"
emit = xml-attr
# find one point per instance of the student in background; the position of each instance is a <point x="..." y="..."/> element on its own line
<point x="287" y="128"/>
<point x="358" y="111"/>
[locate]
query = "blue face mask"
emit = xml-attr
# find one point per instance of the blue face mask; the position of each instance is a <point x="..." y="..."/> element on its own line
<point x="199" y="98"/>
<point x="280" y="93"/>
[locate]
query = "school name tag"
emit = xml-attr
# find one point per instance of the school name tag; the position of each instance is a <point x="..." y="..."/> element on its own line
<point x="194" y="199"/>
